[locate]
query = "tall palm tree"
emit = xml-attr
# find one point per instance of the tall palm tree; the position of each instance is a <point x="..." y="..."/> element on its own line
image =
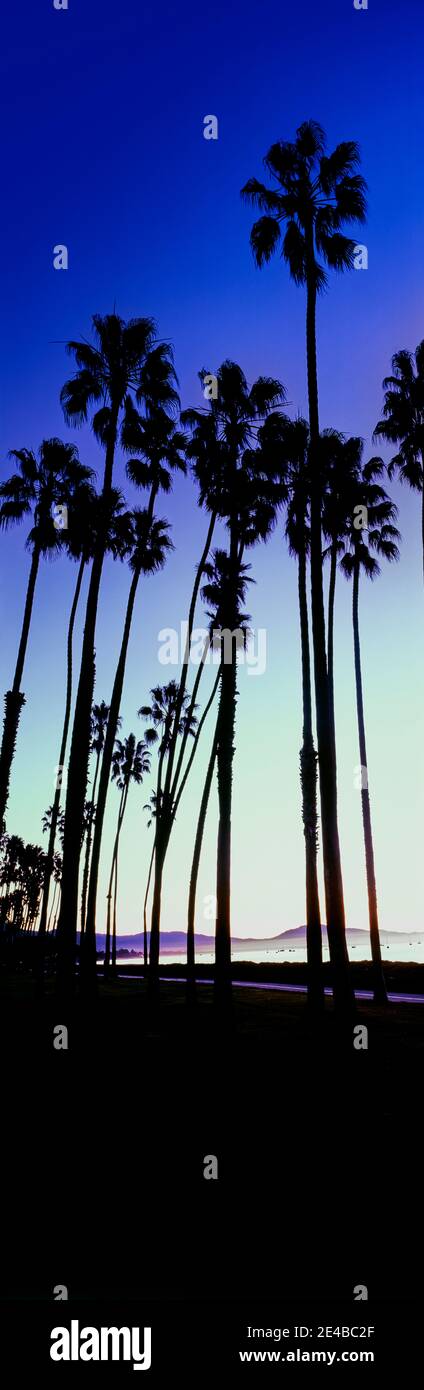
<point x="35" y="489"/>
<point x="159" y="444"/>
<point x="313" y="197"/>
<point x="126" y="368"/>
<point x="225" y="592"/>
<point x="118" y="540"/>
<point x="403" y="420"/>
<point x="150" y="807"/>
<point x="130" y="763"/>
<point x="149" y="547"/>
<point x="288" y="441"/>
<point x="363" y="546"/>
<point x="78" y="539"/>
<point x="83" y="521"/>
<point x="219" y="436"/>
<point x="161" y="715"/>
<point x="195" y="865"/>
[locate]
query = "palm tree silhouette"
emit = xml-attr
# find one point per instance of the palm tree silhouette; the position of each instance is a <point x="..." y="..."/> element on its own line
<point x="219" y="435"/>
<point x="35" y="489"/>
<point x="403" y="421"/>
<point x="380" y="539"/>
<point x="232" y="418"/>
<point x="21" y="876"/>
<point x="149" y="546"/>
<point x="83" y="521"/>
<point x="224" y="592"/>
<point x="125" y="368"/>
<point x="313" y="197"/>
<point x="78" y="540"/>
<point x="53" y="872"/>
<point x="150" y="807"/>
<point x="195" y="865"/>
<point x="130" y="763"/>
<point x="162" y="716"/>
<point x="288" y="442"/>
<point x="160" y="443"/>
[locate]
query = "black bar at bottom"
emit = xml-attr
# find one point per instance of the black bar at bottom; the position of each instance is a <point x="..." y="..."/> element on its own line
<point x="201" y="1341"/>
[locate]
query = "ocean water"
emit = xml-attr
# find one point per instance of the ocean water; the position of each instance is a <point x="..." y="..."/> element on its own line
<point x="400" y="951"/>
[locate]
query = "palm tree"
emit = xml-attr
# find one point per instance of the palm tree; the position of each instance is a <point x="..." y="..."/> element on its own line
<point x="35" y="489"/>
<point x="313" y="197"/>
<point x="118" y="540"/>
<point x="380" y="539"/>
<point x="22" y="867"/>
<point x="55" y="903"/>
<point x="125" y="363"/>
<point x="403" y="421"/>
<point x="219" y="436"/>
<point x="150" y="544"/>
<point x="55" y="872"/>
<point x="289" y="442"/>
<point x="83" y="519"/>
<point x="160" y="444"/>
<point x="78" y="539"/>
<point x="12" y="852"/>
<point x="194" y="873"/>
<point x="150" y="807"/>
<point x="225" y="592"/>
<point x="130" y="763"/>
<point x="161" y="715"/>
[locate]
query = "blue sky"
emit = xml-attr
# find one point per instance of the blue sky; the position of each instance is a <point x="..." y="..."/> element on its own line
<point x="104" y="107"/>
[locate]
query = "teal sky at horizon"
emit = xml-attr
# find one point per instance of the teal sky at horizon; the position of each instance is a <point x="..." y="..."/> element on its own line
<point x="172" y="240"/>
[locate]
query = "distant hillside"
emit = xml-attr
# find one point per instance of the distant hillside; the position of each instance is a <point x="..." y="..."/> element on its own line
<point x="174" y="942"/>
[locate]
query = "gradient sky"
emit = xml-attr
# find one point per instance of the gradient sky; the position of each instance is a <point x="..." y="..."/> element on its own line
<point x="103" y="105"/>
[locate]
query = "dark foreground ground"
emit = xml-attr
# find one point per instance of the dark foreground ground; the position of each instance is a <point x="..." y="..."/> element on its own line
<point x="318" y="1144"/>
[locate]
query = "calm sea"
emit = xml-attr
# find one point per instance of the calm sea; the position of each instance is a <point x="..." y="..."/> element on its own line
<point x="395" y="951"/>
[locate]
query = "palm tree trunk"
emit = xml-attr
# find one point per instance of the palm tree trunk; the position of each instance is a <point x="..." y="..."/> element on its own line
<point x="178" y="796"/>
<point x="380" y="994"/>
<point x="225" y="755"/>
<point x="84" y="890"/>
<point x="64" y="740"/>
<point x="336" y="929"/>
<point x="196" y="861"/>
<point x="80" y="746"/>
<point x="308" y="780"/>
<point x="184" y="671"/>
<point x="169" y="790"/>
<point x="422" y="506"/>
<point x="14" y="699"/>
<point x="53" y="903"/>
<point x="57" y="909"/>
<point x="164" y="827"/>
<point x="160" y="852"/>
<point x="88" y="958"/>
<point x="146" y="895"/>
<point x="114" y="919"/>
<point x="174" y="798"/>
<point x="115" y="896"/>
<point x="109" y="895"/>
<point x="159" y="856"/>
<point x="331" y="597"/>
